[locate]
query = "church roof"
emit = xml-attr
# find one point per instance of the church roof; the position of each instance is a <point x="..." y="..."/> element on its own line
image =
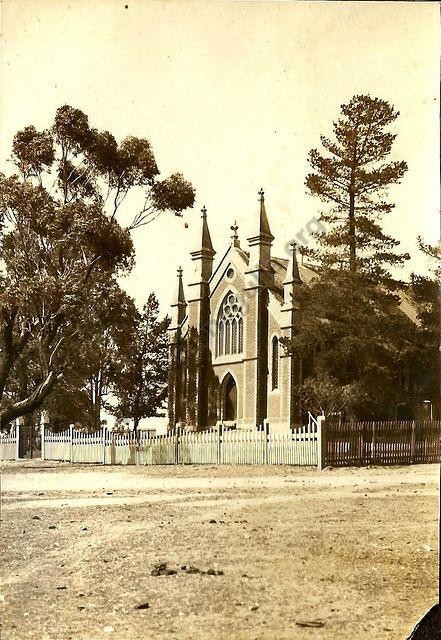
<point x="407" y="307"/>
<point x="306" y="271"/>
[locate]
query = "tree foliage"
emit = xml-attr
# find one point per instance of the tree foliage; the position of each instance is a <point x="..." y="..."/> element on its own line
<point x="60" y="237"/>
<point x="361" y="342"/>
<point x="141" y="386"/>
<point x="351" y="177"/>
<point x="49" y="253"/>
<point x="425" y="295"/>
<point x="356" y="325"/>
<point x="105" y="339"/>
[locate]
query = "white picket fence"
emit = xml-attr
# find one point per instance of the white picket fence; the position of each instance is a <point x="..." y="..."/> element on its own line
<point x="9" y="444"/>
<point x="213" y="446"/>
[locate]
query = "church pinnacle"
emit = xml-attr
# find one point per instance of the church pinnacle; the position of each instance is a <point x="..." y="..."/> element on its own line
<point x="204" y="254"/>
<point x="292" y="271"/>
<point x="180" y="294"/>
<point x="179" y="304"/>
<point x="260" y="244"/>
<point x="206" y="244"/>
<point x="264" y="228"/>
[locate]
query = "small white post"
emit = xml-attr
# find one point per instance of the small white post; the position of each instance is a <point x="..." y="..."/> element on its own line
<point x="104" y="430"/>
<point x="71" y="430"/>
<point x="219" y="442"/>
<point x="176" y="445"/>
<point x="44" y="420"/>
<point x="321" y="442"/>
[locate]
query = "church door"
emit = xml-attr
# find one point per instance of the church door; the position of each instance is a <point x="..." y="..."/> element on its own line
<point x="230" y="399"/>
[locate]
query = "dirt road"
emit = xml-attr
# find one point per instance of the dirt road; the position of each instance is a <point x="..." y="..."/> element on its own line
<point x="292" y="553"/>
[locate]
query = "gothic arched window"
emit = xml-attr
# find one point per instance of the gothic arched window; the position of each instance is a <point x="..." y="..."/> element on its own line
<point x="229" y="326"/>
<point x="275" y="363"/>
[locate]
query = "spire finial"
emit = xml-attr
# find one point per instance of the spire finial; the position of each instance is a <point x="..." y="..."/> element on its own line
<point x="204" y="212"/>
<point x="180" y="272"/>
<point x="262" y="195"/>
<point x="235" y="238"/>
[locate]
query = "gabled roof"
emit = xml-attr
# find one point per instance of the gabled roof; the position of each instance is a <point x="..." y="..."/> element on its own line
<point x="407" y="307"/>
<point x="306" y="272"/>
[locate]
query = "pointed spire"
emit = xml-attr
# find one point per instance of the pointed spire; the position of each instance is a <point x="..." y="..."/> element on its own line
<point x="207" y="245"/>
<point x="292" y="270"/>
<point x="260" y="247"/>
<point x="264" y="227"/>
<point x="205" y="253"/>
<point x="180" y="295"/>
<point x="179" y="304"/>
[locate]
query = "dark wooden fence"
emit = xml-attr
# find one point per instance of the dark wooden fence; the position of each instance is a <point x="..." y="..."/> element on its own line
<point x="382" y="443"/>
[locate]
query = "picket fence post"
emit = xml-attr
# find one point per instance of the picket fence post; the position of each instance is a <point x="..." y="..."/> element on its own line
<point x="71" y="429"/>
<point x="321" y="442"/>
<point x="219" y="443"/>
<point x="42" y="429"/>
<point x="17" y="439"/>
<point x="44" y="419"/>
<point x="177" y="445"/>
<point x="104" y="429"/>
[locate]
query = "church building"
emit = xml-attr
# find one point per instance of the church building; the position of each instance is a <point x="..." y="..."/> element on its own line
<point x="226" y="360"/>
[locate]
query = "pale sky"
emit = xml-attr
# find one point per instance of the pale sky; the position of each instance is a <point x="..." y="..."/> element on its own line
<point x="233" y="95"/>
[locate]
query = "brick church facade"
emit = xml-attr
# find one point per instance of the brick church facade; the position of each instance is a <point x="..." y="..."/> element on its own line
<point x="226" y="360"/>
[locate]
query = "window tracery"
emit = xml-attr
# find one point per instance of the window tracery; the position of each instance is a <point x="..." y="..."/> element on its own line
<point x="229" y="326"/>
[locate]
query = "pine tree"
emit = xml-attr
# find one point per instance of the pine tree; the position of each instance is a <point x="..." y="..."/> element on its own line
<point x="362" y="344"/>
<point x="352" y="179"/>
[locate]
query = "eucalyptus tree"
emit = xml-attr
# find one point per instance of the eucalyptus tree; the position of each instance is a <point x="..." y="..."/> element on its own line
<point x="59" y="229"/>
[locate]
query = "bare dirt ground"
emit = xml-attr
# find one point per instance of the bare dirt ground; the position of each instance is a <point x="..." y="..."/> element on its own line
<point x="345" y="554"/>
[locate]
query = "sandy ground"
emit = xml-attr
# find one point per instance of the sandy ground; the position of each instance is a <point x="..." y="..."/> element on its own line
<point x="345" y="554"/>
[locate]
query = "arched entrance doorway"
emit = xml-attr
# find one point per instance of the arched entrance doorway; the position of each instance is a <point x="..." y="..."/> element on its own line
<point x="229" y="399"/>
